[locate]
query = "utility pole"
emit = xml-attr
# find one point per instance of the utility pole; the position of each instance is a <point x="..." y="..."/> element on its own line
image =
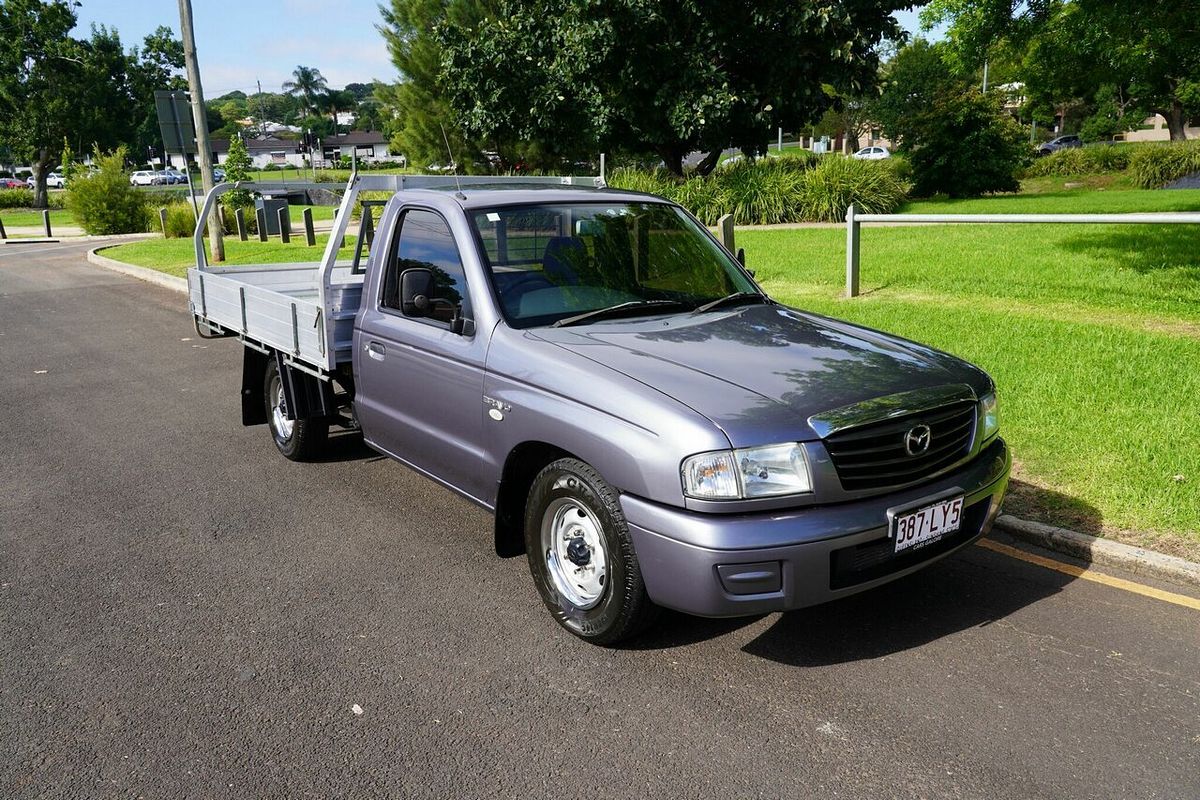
<point x="204" y="149"/>
<point x="262" y="121"/>
<point x="985" y="75"/>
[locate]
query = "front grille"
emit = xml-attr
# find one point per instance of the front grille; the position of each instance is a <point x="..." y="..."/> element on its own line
<point x="874" y="456"/>
<point x="860" y="563"/>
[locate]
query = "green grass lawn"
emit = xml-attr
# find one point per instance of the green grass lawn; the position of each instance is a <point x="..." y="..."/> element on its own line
<point x="1065" y="201"/>
<point x="1091" y="332"/>
<point x="174" y="256"/>
<point x="24" y="217"/>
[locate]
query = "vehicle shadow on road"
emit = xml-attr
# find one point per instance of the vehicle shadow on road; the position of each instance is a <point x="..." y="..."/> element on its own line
<point x="348" y="446"/>
<point x="972" y="588"/>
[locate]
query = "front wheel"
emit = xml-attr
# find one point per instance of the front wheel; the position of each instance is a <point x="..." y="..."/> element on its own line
<point x="297" y="439"/>
<point x="581" y="556"/>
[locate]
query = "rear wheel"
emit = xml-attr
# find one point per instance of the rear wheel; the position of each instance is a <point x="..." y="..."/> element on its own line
<point x="581" y="556"/>
<point x="297" y="439"/>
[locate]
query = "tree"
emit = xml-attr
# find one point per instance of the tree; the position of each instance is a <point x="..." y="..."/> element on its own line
<point x="966" y="146"/>
<point x="663" y="77"/>
<point x="1142" y="61"/>
<point x="307" y="85"/>
<point x="32" y="114"/>
<point x="335" y="101"/>
<point x="237" y="168"/>
<point x="156" y="65"/>
<point x="423" y="119"/>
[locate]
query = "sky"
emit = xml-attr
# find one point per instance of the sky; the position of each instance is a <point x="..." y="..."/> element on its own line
<point x="241" y="41"/>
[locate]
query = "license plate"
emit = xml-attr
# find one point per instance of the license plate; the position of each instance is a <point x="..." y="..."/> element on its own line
<point x="927" y="524"/>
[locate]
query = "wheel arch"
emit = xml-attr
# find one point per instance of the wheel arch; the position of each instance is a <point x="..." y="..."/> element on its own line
<point x="523" y="463"/>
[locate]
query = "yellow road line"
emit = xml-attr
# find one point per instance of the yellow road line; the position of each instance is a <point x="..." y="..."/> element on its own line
<point x="1091" y="575"/>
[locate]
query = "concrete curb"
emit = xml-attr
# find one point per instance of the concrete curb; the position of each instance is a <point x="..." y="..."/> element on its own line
<point x="141" y="273"/>
<point x="1103" y="552"/>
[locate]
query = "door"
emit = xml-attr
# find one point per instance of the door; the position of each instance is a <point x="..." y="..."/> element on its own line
<point x="419" y="392"/>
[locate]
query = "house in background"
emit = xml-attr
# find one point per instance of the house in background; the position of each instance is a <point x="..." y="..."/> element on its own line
<point x="363" y="145"/>
<point x="280" y="152"/>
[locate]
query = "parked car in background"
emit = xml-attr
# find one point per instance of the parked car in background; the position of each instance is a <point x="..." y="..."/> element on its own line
<point x="12" y="183"/>
<point x="872" y="153"/>
<point x="1061" y="143"/>
<point x="218" y="174"/>
<point x="174" y="176"/>
<point x="53" y="180"/>
<point x="146" y="177"/>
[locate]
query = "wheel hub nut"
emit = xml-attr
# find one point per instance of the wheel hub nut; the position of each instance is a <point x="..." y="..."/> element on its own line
<point x="579" y="553"/>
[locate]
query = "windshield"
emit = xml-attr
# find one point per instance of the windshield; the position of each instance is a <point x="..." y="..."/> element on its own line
<point x="552" y="262"/>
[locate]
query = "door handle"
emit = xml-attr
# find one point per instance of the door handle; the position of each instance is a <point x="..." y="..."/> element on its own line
<point x="375" y="350"/>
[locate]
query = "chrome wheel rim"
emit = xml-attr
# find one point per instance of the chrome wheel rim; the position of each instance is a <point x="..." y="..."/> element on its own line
<point x="576" y="558"/>
<point x="279" y="421"/>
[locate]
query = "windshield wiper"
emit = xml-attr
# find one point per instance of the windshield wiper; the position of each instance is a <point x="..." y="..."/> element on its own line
<point x="617" y="310"/>
<point x="731" y="299"/>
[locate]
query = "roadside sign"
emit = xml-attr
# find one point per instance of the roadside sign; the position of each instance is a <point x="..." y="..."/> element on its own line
<point x="175" y="121"/>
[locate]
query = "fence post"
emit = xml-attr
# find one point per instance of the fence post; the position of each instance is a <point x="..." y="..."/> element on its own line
<point x="725" y="227"/>
<point x="3" y="233"/>
<point x="46" y="223"/>
<point x="162" y="220"/>
<point x="285" y="225"/>
<point x="852" y="235"/>
<point x="310" y="238"/>
<point x="239" y="218"/>
<point x="261" y="217"/>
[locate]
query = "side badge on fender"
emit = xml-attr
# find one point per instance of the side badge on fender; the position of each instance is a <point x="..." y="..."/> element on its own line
<point x="496" y="408"/>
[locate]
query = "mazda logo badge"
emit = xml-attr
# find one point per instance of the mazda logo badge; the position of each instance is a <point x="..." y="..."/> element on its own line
<point x="916" y="441"/>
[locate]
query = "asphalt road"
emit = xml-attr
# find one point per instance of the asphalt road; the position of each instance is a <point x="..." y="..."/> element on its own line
<point x="184" y="613"/>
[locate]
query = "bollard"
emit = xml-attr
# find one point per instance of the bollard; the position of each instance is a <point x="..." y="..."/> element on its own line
<point x="285" y="226"/>
<point x="3" y="233"/>
<point x="162" y="220"/>
<point x="310" y="236"/>
<point x="239" y="218"/>
<point x="852" y="234"/>
<point x="262" y="224"/>
<point x="725" y="228"/>
<point x="46" y="223"/>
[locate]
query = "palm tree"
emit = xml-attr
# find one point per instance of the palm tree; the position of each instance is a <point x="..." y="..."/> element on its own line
<point x="336" y="100"/>
<point x="308" y="84"/>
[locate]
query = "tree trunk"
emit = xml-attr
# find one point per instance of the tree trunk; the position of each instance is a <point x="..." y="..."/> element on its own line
<point x="672" y="158"/>
<point x="41" y="164"/>
<point x="709" y="163"/>
<point x="1176" y="121"/>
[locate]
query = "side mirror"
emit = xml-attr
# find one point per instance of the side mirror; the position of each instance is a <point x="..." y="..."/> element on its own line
<point x="416" y="289"/>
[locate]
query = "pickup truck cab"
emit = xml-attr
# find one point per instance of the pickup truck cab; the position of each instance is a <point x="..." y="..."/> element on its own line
<point x="648" y="426"/>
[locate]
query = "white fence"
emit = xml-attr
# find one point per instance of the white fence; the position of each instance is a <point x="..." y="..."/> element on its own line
<point x="854" y="221"/>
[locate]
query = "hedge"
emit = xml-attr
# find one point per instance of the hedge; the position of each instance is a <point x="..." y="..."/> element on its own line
<point x="789" y="189"/>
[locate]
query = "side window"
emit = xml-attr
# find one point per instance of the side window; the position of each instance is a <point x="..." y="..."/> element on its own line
<point x="425" y="242"/>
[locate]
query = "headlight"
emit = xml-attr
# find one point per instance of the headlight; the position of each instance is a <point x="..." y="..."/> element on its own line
<point x="990" y="412"/>
<point x="771" y="471"/>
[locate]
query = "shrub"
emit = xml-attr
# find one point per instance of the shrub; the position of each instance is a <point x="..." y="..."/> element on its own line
<point x="963" y="145"/>
<point x="181" y="221"/>
<point x="105" y="203"/>
<point x="16" y="198"/>
<point x="1153" y="167"/>
<point x="1089" y="160"/>
<point x="771" y="191"/>
<point x="828" y="189"/>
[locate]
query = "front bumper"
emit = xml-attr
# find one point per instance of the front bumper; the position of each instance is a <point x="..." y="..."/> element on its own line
<point x="728" y="565"/>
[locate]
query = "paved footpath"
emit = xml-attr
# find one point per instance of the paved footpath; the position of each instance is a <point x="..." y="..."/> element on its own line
<point x="185" y="614"/>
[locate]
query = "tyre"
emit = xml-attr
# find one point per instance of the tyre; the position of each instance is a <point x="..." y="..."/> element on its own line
<point x="299" y="439"/>
<point x="582" y="557"/>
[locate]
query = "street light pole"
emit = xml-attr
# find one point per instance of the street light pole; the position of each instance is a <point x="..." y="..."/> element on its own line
<point x="203" y="147"/>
